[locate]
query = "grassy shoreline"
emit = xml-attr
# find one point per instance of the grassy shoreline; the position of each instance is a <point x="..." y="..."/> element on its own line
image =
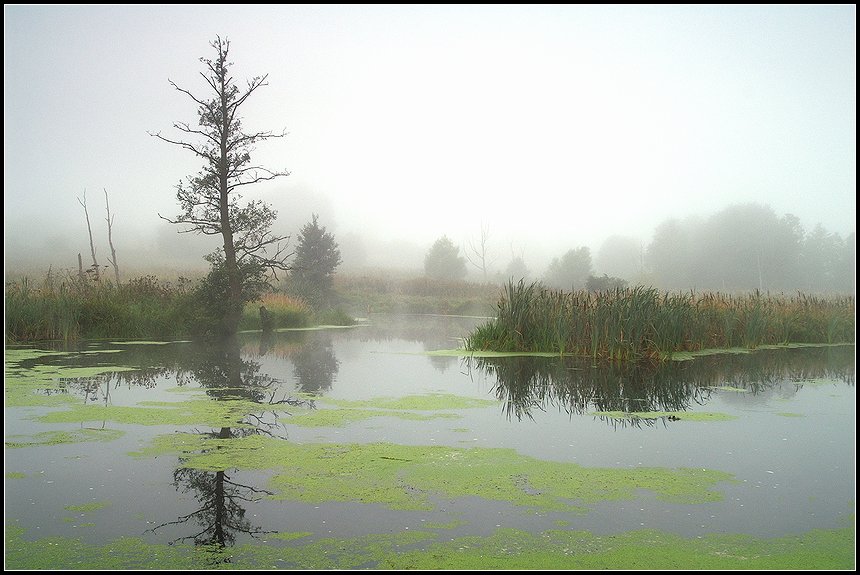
<point x="623" y="324"/>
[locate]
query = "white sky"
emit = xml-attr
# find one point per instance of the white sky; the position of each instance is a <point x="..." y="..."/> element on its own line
<point x="552" y="126"/>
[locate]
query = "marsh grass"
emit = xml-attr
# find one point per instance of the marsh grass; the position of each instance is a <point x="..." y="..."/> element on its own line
<point x="68" y="308"/>
<point x="286" y="311"/>
<point x="642" y="323"/>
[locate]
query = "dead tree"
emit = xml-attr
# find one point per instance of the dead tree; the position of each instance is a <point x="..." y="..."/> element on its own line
<point x="112" y="258"/>
<point x="95" y="268"/>
<point x="478" y="254"/>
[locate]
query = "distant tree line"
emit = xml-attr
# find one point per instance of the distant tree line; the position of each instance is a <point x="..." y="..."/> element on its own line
<point x="744" y="247"/>
<point x="748" y="246"/>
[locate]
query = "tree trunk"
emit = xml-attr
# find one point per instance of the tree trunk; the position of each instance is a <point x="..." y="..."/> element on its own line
<point x="90" y="232"/>
<point x="112" y="259"/>
<point x="233" y="313"/>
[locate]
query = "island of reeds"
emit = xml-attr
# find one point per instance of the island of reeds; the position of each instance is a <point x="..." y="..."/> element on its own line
<point x="643" y="323"/>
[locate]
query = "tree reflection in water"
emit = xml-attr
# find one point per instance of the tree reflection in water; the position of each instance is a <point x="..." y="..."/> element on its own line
<point x="528" y="384"/>
<point x="226" y="375"/>
<point x="315" y="366"/>
<point x="220" y="514"/>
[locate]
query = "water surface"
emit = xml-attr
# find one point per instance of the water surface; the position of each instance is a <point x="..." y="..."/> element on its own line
<point x="778" y="424"/>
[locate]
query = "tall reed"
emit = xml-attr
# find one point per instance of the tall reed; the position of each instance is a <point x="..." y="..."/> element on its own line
<point x="642" y="323"/>
<point x="68" y="308"/>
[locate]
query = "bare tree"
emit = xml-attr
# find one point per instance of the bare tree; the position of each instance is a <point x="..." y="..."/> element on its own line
<point x="209" y="200"/>
<point x="112" y="258"/>
<point x="478" y="254"/>
<point x="95" y="268"/>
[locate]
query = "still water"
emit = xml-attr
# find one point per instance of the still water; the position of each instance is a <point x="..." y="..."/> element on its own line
<point x="779" y="423"/>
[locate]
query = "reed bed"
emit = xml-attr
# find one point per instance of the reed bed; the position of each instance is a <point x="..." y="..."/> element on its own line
<point x="642" y="323"/>
<point x="69" y="308"/>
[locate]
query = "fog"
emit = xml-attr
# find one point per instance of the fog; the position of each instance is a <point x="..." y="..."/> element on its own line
<point x="538" y="128"/>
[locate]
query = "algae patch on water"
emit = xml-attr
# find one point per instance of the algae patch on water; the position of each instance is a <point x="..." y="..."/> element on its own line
<point x="427" y="402"/>
<point x="413" y="407"/>
<point x="61" y="437"/>
<point x="88" y="507"/>
<point x="191" y="412"/>
<point x="41" y="384"/>
<point x="673" y="415"/>
<point x="504" y="549"/>
<point x="412" y="477"/>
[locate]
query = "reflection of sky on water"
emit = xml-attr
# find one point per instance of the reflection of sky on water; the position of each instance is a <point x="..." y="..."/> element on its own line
<point x="795" y="473"/>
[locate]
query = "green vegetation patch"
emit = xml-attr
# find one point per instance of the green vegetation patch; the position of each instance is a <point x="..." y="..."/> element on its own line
<point x="411" y="407"/>
<point x="88" y="507"/>
<point x="40" y="385"/>
<point x="450" y="525"/>
<point x="15" y="475"/>
<point x="460" y="352"/>
<point x="17" y="355"/>
<point x="685" y="415"/>
<point x="727" y="388"/>
<point x="816" y="382"/>
<point x="789" y="414"/>
<point x="192" y="412"/>
<point x="344" y="416"/>
<point x="428" y="402"/>
<point x="509" y="549"/>
<point x="505" y="549"/>
<point x="688" y="355"/>
<point x="61" y="437"/>
<point x="409" y="477"/>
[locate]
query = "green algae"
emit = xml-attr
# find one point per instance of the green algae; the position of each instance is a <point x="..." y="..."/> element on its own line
<point x="17" y="355"/>
<point x="409" y="408"/>
<point x="410" y="477"/>
<point x="342" y="417"/>
<point x="727" y="388"/>
<point x="40" y="385"/>
<point x="635" y="550"/>
<point x="63" y="437"/>
<point x="88" y="507"/>
<point x="688" y="355"/>
<point x="192" y="412"/>
<point x="202" y="411"/>
<point x="789" y="414"/>
<point x="817" y="382"/>
<point x="505" y="549"/>
<point x="461" y="352"/>
<point x="15" y="475"/>
<point x="427" y="402"/>
<point x="687" y="416"/>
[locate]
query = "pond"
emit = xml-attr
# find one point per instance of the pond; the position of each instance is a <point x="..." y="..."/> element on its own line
<point x="381" y="446"/>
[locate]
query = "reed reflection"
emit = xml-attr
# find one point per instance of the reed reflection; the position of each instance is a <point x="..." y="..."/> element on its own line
<point x="529" y="384"/>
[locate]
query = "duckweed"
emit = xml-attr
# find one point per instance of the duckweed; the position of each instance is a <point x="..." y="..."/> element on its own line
<point x="409" y="477"/>
<point x="505" y="549"/>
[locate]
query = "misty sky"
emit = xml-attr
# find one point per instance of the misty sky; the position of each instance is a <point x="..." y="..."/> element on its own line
<point x="551" y="126"/>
